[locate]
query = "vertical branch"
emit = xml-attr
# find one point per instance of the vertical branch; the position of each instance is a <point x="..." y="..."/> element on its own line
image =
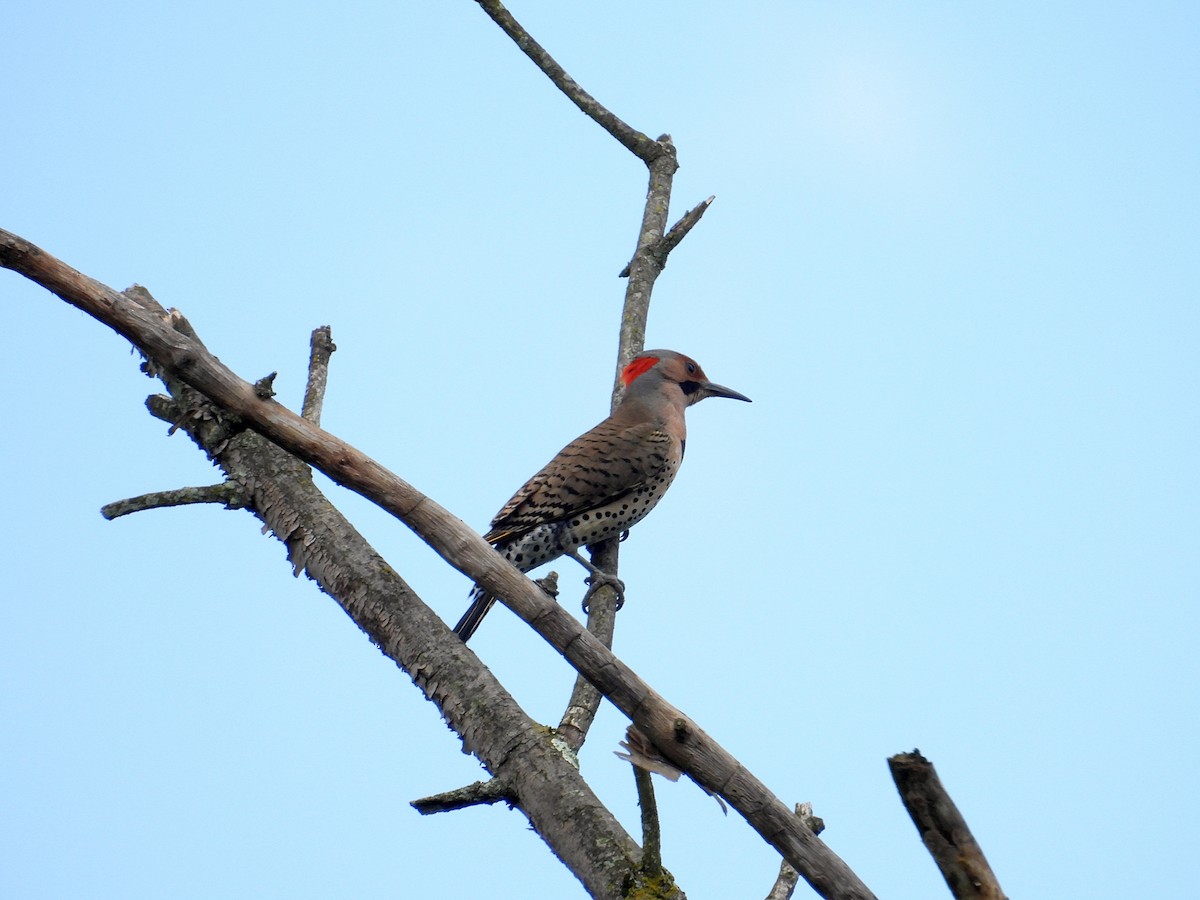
<point x="321" y="347"/>
<point x="651" y="833"/>
<point x="643" y="271"/>
<point x="648" y="261"/>
<point x="602" y="622"/>
<point x="788" y="878"/>
<point x="646" y="265"/>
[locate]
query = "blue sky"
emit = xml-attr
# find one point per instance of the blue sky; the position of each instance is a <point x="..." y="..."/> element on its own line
<point x="953" y="260"/>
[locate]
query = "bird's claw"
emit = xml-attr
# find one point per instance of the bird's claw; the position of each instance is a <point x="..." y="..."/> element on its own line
<point x="599" y="580"/>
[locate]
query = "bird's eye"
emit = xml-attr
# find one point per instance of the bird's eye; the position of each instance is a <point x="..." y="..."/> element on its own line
<point x="691" y="368"/>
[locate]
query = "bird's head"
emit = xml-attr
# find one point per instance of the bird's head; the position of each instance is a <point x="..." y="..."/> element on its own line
<point x="651" y="370"/>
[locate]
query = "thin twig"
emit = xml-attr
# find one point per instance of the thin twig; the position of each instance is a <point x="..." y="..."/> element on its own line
<point x="479" y="793"/>
<point x="227" y="493"/>
<point x="651" y="832"/>
<point x="681" y="228"/>
<point x="662" y="249"/>
<point x="644" y="268"/>
<point x="640" y="145"/>
<point x="943" y="829"/>
<point x="321" y="347"/>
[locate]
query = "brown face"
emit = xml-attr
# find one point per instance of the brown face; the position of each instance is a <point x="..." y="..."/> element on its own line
<point x="695" y="384"/>
<point x="681" y="369"/>
<point x="678" y="369"/>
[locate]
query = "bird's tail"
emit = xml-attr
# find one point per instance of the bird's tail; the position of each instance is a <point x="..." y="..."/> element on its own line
<point x="481" y="602"/>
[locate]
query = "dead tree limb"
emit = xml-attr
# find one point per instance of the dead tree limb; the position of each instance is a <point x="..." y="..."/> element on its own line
<point x="654" y="244"/>
<point x="641" y="146"/>
<point x="230" y="494"/>
<point x="321" y="347"/>
<point x="149" y="327"/>
<point x="788" y="877"/>
<point x="530" y="770"/>
<point x="943" y="829"/>
<point x="648" y="260"/>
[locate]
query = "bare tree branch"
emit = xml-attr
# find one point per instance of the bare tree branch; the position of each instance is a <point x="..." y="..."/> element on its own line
<point x="641" y="146"/>
<point x="647" y="263"/>
<point x="943" y="829"/>
<point x="581" y="709"/>
<point x="785" y="882"/>
<point x="481" y="792"/>
<point x="321" y="347"/>
<point x="681" y="740"/>
<point x="645" y="269"/>
<point x="662" y="248"/>
<point x="652" y="866"/>
<point x="534" y="773"/>
<point x="228" y="493"/>
<point x="585" y="700"/>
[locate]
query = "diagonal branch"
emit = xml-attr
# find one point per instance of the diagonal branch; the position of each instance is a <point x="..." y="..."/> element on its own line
<point x="641" y="146"/>
<point x="682" y="742"/>
<point x="943" y="829"/>
<point x="662" y="248"/>
<point x="531" y="771"/>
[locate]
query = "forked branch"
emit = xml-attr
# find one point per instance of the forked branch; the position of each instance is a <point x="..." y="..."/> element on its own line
<point x="682" y="742"/>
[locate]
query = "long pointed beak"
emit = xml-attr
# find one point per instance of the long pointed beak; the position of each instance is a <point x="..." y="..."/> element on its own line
<point x="708" y="389"/>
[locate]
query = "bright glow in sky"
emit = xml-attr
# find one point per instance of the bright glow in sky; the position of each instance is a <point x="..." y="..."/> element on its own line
<point x="953" y="261"/>
<point x="871" y="110"/>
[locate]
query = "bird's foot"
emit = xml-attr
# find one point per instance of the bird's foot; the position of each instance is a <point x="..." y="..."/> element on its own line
<point x="599" y="579"/>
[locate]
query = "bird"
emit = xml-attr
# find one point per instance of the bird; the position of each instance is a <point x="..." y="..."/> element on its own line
<point x="604" y="481"/>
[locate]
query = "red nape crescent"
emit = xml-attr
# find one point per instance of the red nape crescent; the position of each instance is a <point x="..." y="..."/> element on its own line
<point x="638" y="367"/>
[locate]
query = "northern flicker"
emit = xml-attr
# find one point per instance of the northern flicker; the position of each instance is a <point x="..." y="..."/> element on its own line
<point x="605" y="480"/>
